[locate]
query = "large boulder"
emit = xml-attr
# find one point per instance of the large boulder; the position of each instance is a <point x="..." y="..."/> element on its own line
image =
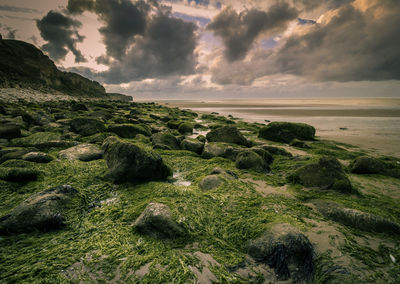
<point x="370" y="165"/>
<point x="10" y="131"/>
<point x="287" y="131"/>
<point x="128" y="162"/>
<point x="82" y="152"/>
<point x="43" y="211"/>
<point x="192" y="145"/>
<point x="165" y="140"/>
<point x="287" y="251"/>
<point x="156" y="221"/>
<point x="87" y="126"/>
<point x="129" y="130"/>
<point x="228" y="134"/>
<point x="356" y="218"/>
<point x="250" y="160"/>
<point x="327" y="173"/>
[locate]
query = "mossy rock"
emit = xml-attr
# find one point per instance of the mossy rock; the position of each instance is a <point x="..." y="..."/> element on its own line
<point x="128" y="162"/>
<point x="250" y="160"/>
<point x="370" y="165"/>
<point x="210" y="182"/>
<point x="327" y="173"/>
<point x="185" y="128"/>
<point x="165" y="140"/>
<point x="37" y="157"/>
<point x="18" y="174"/>
<point x="217" y="149"/>
<point x="228" y="134"/>
<point x="129" y="130"/>
<point x="42" y="211"/>
<point x="299" y="144"/>
<point x="287" y="131"/>
<point x="87" y="126"/>
<point x="82" y="152"/>
<point x="192" y="145"/>
<point x="10" y="131"/>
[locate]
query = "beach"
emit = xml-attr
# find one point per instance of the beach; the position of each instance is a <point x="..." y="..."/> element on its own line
<point x="372" y="124"/>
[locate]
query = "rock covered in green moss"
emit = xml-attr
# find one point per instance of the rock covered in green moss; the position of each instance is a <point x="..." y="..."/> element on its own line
<point x="37" y="157"/>
<point x="156" y="221"/>
<point x="250" y="160"/>
<point x="16" y="174"/>
<point x="42" y="211"/>
<point x="356" y="218"/>
<point x="218" y="149"/>
<point x="87" y="126"/>
<point x="192" y="145"/>
<point x="82" y="152"/>
<point x="129" y="130"/>
<point x="287" y="251"/>
<point x="228" y="134"/>
<point x="128" y="162"/>
<point x="210" y="182"/>
<point x="370" y="165"/>
<point x="327" y="173"/>
<point x="10" y="131"/>
<point x="287" y="131"/>
<point x="165" y="140"/>
<point x="11" y="153"/>
<point x="185" y="128"/>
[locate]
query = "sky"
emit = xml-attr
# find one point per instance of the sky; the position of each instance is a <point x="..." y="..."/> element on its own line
<point x="216" y="49"/>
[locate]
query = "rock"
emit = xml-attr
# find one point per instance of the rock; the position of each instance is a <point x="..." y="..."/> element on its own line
<point x="43" y="140"/>
<point x="129" y="130"/>
<point x="14" y="153"/>
<point x="201" y="138"/>
<point x="82" y="152"/>
<point x="249" y="160"/>
<point x="287" y="131"/>
<point x="128" y="162"/>
<point x="327" y="173"/>
<point x="45" y="211"/>
<point x="300" y="144"/>
<point x="173" y="124"/>
<point x="87" y="126"/>
<point x="37" y="157"/>
<point x="228" y="134"/>
<point x="156" y="221"/>
<point x="185" y="128"/>
<point x="356" y="218"/>
<point x="18" y="174"/>
<point x="165" y="140"/>
<point x="276" y="150"/>
<point x="78" y="106"/>
<point x="192" y="145"/>
<point x="216" y="149"/>
<point x="10" y="131"/>
<point x="369" y="165"/>
<point x="265" y="155"/>
<point x="287" y="251"/>
<point x="210" y="182"/>
<point x="227" y="173"/>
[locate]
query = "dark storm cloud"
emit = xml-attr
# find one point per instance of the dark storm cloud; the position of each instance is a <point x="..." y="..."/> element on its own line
<point x="143" y="38"/>
<point x="166" y="48"/>
<point x="239" y="31"/>
<point x="122" y="21"/>
<point x="17" y="9"/>
<point x="353" y="46"/>
<point x="61" y="33"/>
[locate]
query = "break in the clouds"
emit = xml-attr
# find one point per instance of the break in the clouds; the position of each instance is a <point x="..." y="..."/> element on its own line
<point x="142" y="39"/>
<point x="61" y="34"/>
<point x="239" y="30"/>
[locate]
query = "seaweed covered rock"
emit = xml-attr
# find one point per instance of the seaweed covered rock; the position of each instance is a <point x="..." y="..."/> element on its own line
<point x="356" y="218"/>
<point x="210" y="182"/>
<point x="14" y="153"/>
<point x="228" y="134"/>
<point x="250" y="160"/>
<point x="42" y="211"/>
<point x="128" y="162"/>
<point x="37" y="157"/>
<point x="327" y="173"/>
<point x="370" y="165"/>
<point x="82" y="152"/>
<point x="10" y="131"/>
<point x="156" y="221"/>
<point x="287" y="251"/>
<point x="217" y="149"/>
<point x="87" y="126"/>
<point x="287" y="131"/>
<point x="185" y="128"/>
<point x="43" y="140"/>
<point x="165" y="140"/>
<point x="16" y="174"/>
<point x="192" y="145"/>
<point x="129" y="130"/>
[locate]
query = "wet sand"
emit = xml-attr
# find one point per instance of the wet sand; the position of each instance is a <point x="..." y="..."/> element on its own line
<point x="371" y="124"/>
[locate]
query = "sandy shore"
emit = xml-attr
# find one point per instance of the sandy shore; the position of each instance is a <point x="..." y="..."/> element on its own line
<point x="371" y="124"/>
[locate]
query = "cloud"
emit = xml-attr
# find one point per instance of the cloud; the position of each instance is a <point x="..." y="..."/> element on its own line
<point x="61" y="32"/>
<point x="353" y="45"/>
<point x="239" y="31"/>
<point x="9" y="8"/>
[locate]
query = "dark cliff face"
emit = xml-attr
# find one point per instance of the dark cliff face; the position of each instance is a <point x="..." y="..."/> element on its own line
<point x="24" y="65"/>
